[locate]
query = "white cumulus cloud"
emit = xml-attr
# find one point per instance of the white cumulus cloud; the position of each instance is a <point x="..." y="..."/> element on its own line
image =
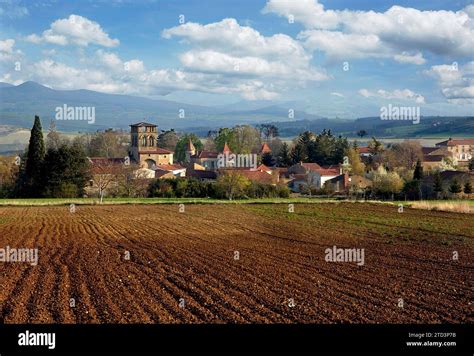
<point x="398" y="94"/>
<point x="76" y="30"/>
<point x="400" y="32"/>
<point x="456" y="82"/>
<point x="239" y="57"/>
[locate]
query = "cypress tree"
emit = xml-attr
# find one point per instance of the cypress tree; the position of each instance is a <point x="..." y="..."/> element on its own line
<point x="468" y="188"/>
<point x="35" y="157"/>
<point x="438" y="184"/>
<point x="268" y="160"/>
<point x="455" y="187"/>
<point x="298" y="154"/>
<point x="284" y="157"/>
<point x="418" y="174"/>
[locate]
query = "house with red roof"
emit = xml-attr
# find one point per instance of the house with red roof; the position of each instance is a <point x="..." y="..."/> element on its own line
<point x="364" y="152"/>
<point x="264" y="168"/>
<point x="457" y="151"/>
<point x="311" y="174"/>
<point x="460" y="150"/>
<point x="176" y="170"/>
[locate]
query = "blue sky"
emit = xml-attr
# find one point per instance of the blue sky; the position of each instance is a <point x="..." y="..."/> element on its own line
<point x="332" y="58"/>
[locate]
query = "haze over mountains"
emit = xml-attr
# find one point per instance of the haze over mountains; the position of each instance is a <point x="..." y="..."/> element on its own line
<point x="19" y="104"/>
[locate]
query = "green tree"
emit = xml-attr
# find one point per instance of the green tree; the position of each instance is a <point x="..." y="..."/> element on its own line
<point x="232" y="185"/>
<point x="471" y="164"/>
<point x="341" y="145"/>
<point x="305" y="146"/>
<point x="438" y="184"/>
<point x="284" y="156"/>
<point x="35" y="158"/>
<point x="161" y="188"/>
<point x="65" y="172"/>
<point x="411" y="189"/>
<point x="386" y="184"/>
<point x="268" y="131"/>
<point x="455" y="187"/>
<point x="298" y="154"/>
<point x="268" y="160"/>
<point x="361" y="133"/>
<point x="225" y="135"/>
<point x="168" y="140"/>
<point x="326" y="149"/>
<point x="247" y="139"/>
<point x="418" y="173"/>
<point x="375" y="146"/>
<point x="180" y="149"/>
<point x="356" y="165"/>
<point x="9" y="171"/>
<point x="468" y="188"/>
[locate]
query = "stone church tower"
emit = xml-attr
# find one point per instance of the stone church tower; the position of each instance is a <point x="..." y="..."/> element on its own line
<point x="144" y="148"/>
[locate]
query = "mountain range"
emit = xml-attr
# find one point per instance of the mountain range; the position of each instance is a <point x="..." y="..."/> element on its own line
<point x="19" y="104"/>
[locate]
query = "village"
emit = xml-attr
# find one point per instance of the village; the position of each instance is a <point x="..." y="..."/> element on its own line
<point x="234" y="163"/>
<point x="447" y="162"/>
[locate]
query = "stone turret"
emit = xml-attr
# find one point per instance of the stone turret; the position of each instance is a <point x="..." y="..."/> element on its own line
<point x="190" y="150"/>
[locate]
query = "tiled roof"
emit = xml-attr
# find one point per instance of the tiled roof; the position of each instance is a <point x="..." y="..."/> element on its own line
<point x="257" y="176"/>
<point x="428" y="150"/>
<point x="433" y="158"/>
<point x="263" y="167"/>
<point x="106" y="161"/>
<point x="139" y="124"/>
<point x="201" y="174"/>
<point x="363" y="150"/>
<point x="207" y="154"/>
<point x="467" y="141"/>
<point x="169" y="167"/>
<point x="328" y="172"/>
<point x="311" y="166"/>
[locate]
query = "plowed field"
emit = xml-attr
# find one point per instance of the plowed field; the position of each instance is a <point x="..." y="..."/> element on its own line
<point x="236" y="264"/>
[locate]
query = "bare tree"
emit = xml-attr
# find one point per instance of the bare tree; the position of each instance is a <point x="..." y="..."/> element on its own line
<point x="105" y="173"/>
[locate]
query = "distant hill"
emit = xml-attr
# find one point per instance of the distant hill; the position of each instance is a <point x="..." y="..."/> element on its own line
<point x="428" y="127"/>
<point x="19" y="104"/>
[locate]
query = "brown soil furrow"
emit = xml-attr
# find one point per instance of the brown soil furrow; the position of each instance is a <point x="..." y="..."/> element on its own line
<point x="191" y="256"/>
